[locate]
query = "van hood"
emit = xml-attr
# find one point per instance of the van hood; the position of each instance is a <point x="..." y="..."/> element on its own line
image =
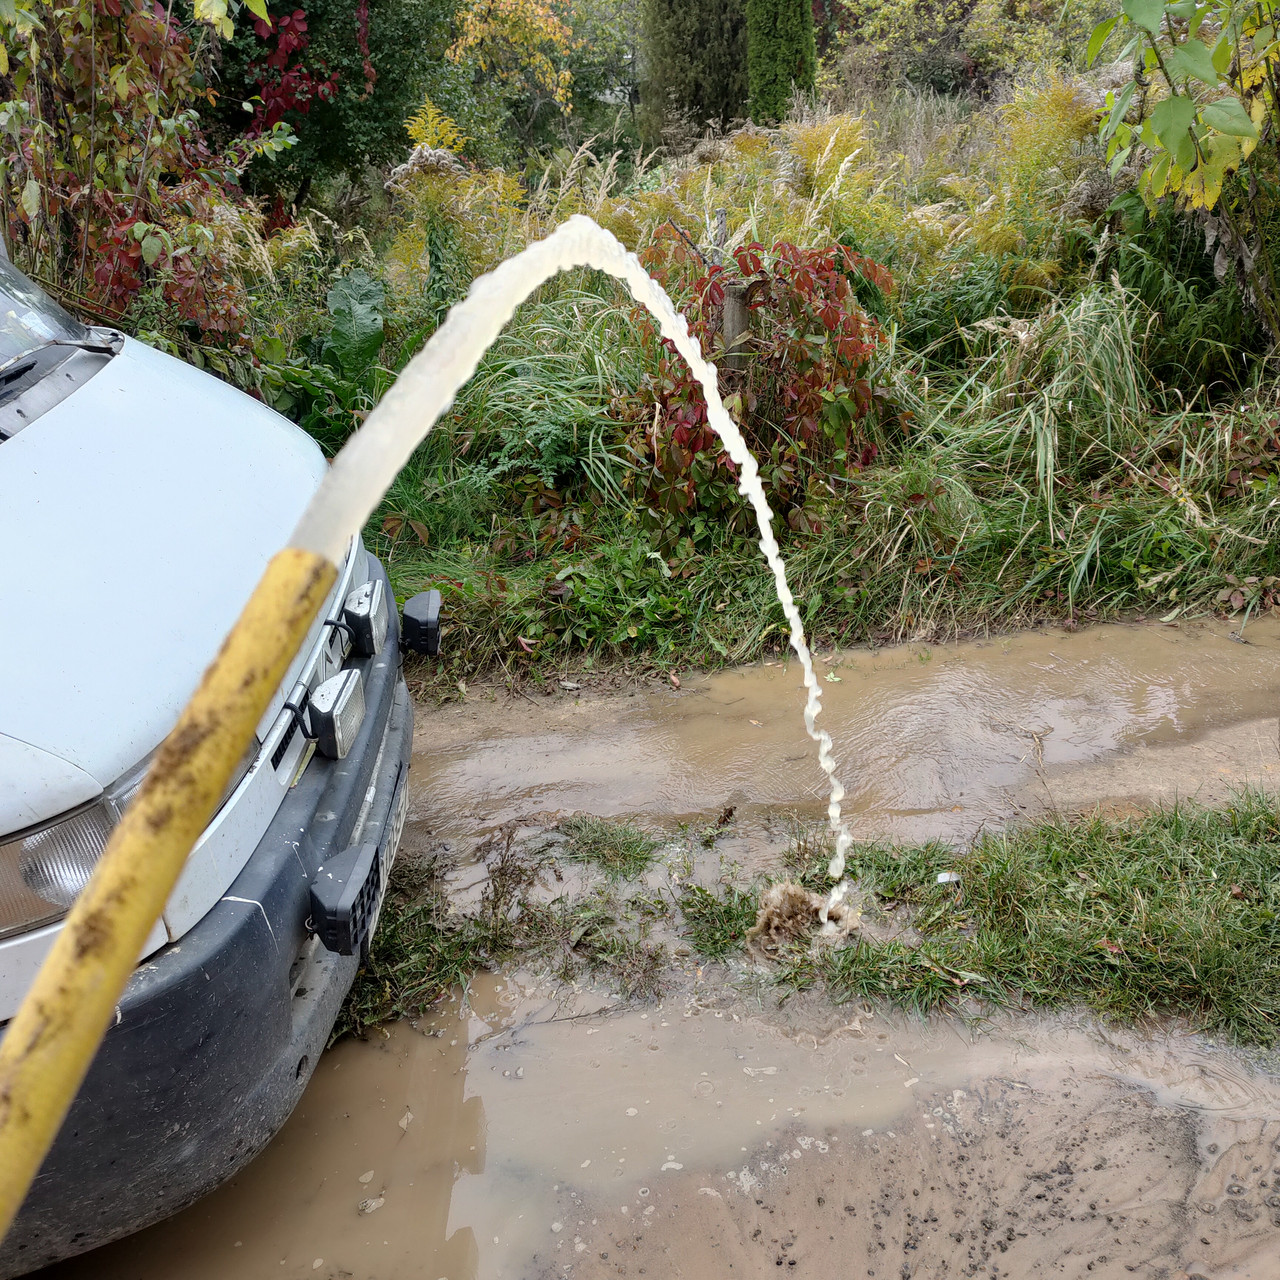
<point x="136" y="517"/>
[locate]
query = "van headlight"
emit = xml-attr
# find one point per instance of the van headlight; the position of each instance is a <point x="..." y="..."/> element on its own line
<point x="56" y="863"/>
<point x="42" y="871"/>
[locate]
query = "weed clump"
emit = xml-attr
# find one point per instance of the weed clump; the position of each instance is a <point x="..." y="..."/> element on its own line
<point x="425" y="944"/>
<point x="419" y="951"/>
<point x="620" y="849"/>
<point x="717" y="924"/>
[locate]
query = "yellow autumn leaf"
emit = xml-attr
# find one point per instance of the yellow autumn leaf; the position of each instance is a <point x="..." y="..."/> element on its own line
<point x="1203" y="186"/>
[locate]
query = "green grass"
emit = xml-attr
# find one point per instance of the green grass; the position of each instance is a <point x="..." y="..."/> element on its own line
<point x="1173" y="914"/>
<point x="716" y="923"/>
<point x="420" y="950"/>
<point x="620" y="849"/>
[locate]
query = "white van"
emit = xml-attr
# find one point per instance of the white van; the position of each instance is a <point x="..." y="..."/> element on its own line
<point x="140" y="500"/>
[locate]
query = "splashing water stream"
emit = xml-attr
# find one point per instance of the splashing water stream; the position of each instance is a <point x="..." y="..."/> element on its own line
<point x="366" y="466"/>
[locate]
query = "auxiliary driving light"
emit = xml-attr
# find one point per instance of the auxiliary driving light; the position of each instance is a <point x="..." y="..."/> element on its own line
<point x="366" y="613"/>
<point x="336" y="710"/>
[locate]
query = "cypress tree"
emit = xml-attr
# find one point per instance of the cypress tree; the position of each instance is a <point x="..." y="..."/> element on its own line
<point x="781" y="55"/>
<point x="694" y="59"/>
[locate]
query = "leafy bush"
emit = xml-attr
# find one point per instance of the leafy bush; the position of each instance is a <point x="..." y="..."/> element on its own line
<point x="108" y="184"/>
<point x="801" y="400"/>
<point x="333" y="391"/>
<point x="1202" y="96"/>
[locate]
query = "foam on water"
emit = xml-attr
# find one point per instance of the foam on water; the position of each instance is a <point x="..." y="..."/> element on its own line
<point x="370" y="460"/>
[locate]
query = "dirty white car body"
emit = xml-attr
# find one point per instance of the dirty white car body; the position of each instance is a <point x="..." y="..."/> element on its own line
<point x="140" y="499"/>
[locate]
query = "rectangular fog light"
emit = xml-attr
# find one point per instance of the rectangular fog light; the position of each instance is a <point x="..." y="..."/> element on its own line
<point x="336" y="711"/>
<point x="367" y="612"/>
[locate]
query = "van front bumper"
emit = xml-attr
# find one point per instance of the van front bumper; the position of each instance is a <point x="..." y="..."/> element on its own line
<point x="217" y="1034"/>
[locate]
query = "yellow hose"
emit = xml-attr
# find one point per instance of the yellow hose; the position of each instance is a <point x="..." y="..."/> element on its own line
<point x="51" y="1040"/>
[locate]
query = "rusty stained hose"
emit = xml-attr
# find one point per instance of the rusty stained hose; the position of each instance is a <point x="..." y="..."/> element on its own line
<point x="51" y="1040"/>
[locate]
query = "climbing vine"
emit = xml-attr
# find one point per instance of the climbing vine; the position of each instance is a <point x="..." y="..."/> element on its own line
<point x="106" y="179"/>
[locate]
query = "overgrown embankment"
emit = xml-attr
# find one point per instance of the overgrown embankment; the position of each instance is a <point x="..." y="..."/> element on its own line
<point x="975" y="402"/>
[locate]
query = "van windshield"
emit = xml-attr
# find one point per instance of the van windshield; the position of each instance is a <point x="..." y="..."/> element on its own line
<point x="29" y="318"/>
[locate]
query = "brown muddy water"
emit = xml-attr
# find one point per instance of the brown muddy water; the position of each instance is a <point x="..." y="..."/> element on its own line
<point x="524" y="1130"/>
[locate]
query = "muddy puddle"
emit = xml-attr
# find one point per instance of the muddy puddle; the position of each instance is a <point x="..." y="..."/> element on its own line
<point x="515" y="1134"/>
<point x="933" y="741"/>
<point x="526" y="1130"/>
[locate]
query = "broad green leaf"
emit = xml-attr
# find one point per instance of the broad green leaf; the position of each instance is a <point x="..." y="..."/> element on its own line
<point x="259" y="10"/>
<point x="1145" y="14"/>
<point x="1170" y="121"/>
<point x="151" y="246"/>
<point x="356" y="303"/>
<point x="1098" y="39"/>
<point x="1117" y="161"/>
<point x="210" y="11"/>
<point x="1183" y="9"/>
<point x="1262" y="38"/>
<point x="1118" y="109"/>
<point x="1192" y="58"/>
<point x="1222" y="55"/>
<point x="1228" y="116"/>
<point x="1158" y="175"/>
<point x="1184" y="151"/>
<point x="31" y="199"/>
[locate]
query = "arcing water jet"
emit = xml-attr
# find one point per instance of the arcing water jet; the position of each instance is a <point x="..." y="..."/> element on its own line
<point x="371" y="459"/>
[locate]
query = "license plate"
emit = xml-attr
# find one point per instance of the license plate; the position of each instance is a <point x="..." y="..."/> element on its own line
<point x="387" y="854"/>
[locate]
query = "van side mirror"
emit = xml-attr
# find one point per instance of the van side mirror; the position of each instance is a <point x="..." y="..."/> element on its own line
<point x="421" y="630"/>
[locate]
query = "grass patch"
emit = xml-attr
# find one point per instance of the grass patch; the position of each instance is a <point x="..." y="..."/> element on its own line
<point x="419" y="951"/>
<point x="422" y="947"/>
<point x="620" y="849"/>
<point x="717" y="923"/>
<point x="1173" y="914"/>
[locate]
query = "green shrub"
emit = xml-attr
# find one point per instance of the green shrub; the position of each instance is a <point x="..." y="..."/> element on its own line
<point x="781" y="55"/>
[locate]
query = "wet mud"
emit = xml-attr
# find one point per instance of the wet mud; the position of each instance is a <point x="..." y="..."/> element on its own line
<point x="519" y="1134"/>
<point x="526" y="1130"/>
